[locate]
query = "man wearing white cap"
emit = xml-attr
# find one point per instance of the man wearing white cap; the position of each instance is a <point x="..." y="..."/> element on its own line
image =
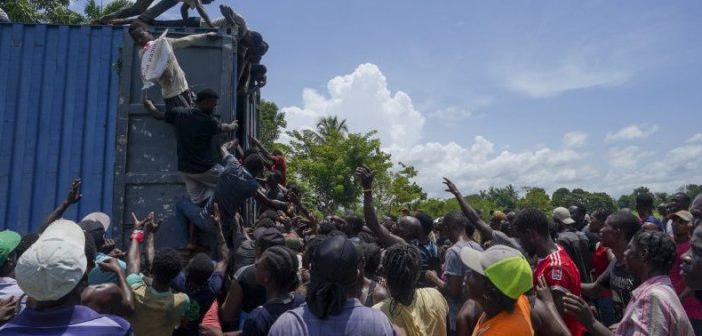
<point x="52" y="273"/>
<point x="574" y="242"/>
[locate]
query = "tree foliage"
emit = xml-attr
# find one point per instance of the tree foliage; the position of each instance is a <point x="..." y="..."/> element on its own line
<point x="57" y="11"/>
<point x="563" y="197"/>
<point x="326" y="160"/>
<point x="272" y="121"/>
<point x="535" y="198"/>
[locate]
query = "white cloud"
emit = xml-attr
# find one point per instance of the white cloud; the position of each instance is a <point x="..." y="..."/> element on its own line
<point x="632" y="132"/>
<point x="574" y="139"/>
<point x="456" y="113"/>
<point x="554" y="80"/>
<point x="364" y="100"/>
<point x="695" y="138"/>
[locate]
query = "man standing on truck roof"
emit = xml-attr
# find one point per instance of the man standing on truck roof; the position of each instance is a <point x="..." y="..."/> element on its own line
<point x="196" y="128"/>
<point x="174" y="86"/>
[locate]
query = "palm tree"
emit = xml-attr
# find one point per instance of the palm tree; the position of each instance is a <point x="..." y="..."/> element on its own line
<point x="93" y="11"/>
<point x="331" y="125"/>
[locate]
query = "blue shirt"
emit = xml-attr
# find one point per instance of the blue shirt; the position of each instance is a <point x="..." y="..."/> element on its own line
<point x="652" y="219"/>
<point x="205" y="295"/>
<point x="98" y="276"/>
<point x="69" y="321"/>
<point x="235" y="185"/>
<point x="355" y="319"/>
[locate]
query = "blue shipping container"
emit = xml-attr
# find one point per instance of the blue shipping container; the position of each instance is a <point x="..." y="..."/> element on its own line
<point x="58" y="106"/>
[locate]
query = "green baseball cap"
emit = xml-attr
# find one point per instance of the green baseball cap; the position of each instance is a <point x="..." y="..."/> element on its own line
<point x="8" y="243"/>
<point x="505" y="267"/>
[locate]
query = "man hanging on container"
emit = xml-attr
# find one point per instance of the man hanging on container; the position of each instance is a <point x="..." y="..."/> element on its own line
<point x="196" y="130"/>
<point x="174" y="86"/>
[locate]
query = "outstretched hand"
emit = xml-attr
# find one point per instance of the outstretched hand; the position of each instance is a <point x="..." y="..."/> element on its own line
<point x="543" y="291"/>
<point x="216" y="215"/>
<point x="74" y="194"/>
<point x="153" y="223"/>
<point x="141" y="224"/>
<point x="366" y="175"/>
<point x="450" y="187"/>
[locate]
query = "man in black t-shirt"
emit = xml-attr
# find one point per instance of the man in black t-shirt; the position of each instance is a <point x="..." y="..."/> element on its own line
<point x="196" y="129"/>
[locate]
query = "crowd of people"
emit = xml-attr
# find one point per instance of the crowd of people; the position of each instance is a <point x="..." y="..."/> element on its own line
<point x="522" y="272"/>
<point x="574" y="271"/>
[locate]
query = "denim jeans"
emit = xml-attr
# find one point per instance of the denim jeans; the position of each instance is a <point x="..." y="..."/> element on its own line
<point x="188" y="212"/>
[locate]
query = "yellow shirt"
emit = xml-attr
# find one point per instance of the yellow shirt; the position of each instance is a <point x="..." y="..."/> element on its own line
<point x="155" y="313"/>
<point x="425" y="316"/>
<point x="516" y="323"/>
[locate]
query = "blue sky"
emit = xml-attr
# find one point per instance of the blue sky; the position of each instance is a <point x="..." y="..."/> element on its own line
<point x="603" y="95"/>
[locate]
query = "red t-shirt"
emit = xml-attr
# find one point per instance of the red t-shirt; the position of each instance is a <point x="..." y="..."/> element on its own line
<point x="600" y="262"/>
<point x="560" y="271"/>
<point x="280" y="165"/>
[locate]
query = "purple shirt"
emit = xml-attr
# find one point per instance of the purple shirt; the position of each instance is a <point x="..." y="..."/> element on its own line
<point x="355" y="319"/>
<point x="69" y="321"/>
<point x="655" y="310"/>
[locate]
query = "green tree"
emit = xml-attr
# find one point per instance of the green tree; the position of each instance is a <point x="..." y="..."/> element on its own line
<point x="502" y="197"/>
<point x="691" y="190"/>
<point x="561" y="198"/>
<point x="535" y="198"/>
<point x="272" y="121"/>
<point x="93" y="11"/>
<point x="328" y="165"/>
<point x="331" y="125"/>
<point x="399" y="191"/>
<point x="625" y="201"/>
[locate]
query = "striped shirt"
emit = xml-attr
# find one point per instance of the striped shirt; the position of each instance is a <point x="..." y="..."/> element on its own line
<point x="654" y="310"/>
<point x="74" y="321"/>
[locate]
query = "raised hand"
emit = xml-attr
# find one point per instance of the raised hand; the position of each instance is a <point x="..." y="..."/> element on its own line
<point x="450" y="187"/>
<point x="216" y="215"/>
<point x="109" y="265"/>
<point x="117" y="253"/>
<point x="153" y="224"/>
<point x="74" y="194"/>
<point x="141" y="224"/>
<point x="366" y="175"/>
<point x="108" y="246"/>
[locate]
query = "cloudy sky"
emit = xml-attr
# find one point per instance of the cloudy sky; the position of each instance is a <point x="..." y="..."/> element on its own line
<point x="604" y="95"/>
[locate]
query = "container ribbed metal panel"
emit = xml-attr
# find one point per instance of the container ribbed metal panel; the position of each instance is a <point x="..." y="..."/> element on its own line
<point x="58" y="112"/>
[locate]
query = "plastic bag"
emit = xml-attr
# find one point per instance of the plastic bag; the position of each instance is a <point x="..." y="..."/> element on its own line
<point x="154" y="60"/>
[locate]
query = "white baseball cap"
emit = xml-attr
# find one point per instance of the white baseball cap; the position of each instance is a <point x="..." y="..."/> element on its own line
<point x="54" y="265"/>
<point x="563" y="215"/>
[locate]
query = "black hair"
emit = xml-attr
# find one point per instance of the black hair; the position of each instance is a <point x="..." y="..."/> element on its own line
<point x="135" y="26"/>
<point x="258" y="69"/>
<point x="626" y="222"/>
<point x="206" y="94"/>
<point x="532" y="219"/>
<point x="501" y="300"/>
<point x="326" y="228"/>
<point x="270" y="214"/>
<point x="644" y="200"/>
<point x="310" y="248"/>
<point x="199" y="269"/>
<point x="166" y="265"/>
<point x="254" y="164"/>
<point x="426" y="221"/>
<point x="580" y="207"/>
<point x="90" y="250"/>
<point x="26" y="242"/>
<point x="601" y="214"/>
<point x="657" y="249"/>
<point x="371" y="254"/>
<point x="402" y="266"/>
<point x="293" y="187"/>
<point x="457" y="217"/>
<point x="282" y="264"/>
<point x="356" y="222"/>
<point x="684" y="198"/>
<point x="265" y="222"/>
<point x="252" y="38"/>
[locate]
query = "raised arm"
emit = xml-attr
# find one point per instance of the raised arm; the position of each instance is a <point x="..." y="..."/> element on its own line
<point x="127" y="304"/>
<point x="72" y="197"/>
<point x="155" y="112"/>
<point x="221" y="266"/>
<point x="485" y="230"/>
<point x="134" y="254"/>
<point x="203" y="14"/>
<point x="150" y="230"/>
<point x="184" y="12"/>
<point x="384" y="236"/>
<point x="189" y="40"/>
